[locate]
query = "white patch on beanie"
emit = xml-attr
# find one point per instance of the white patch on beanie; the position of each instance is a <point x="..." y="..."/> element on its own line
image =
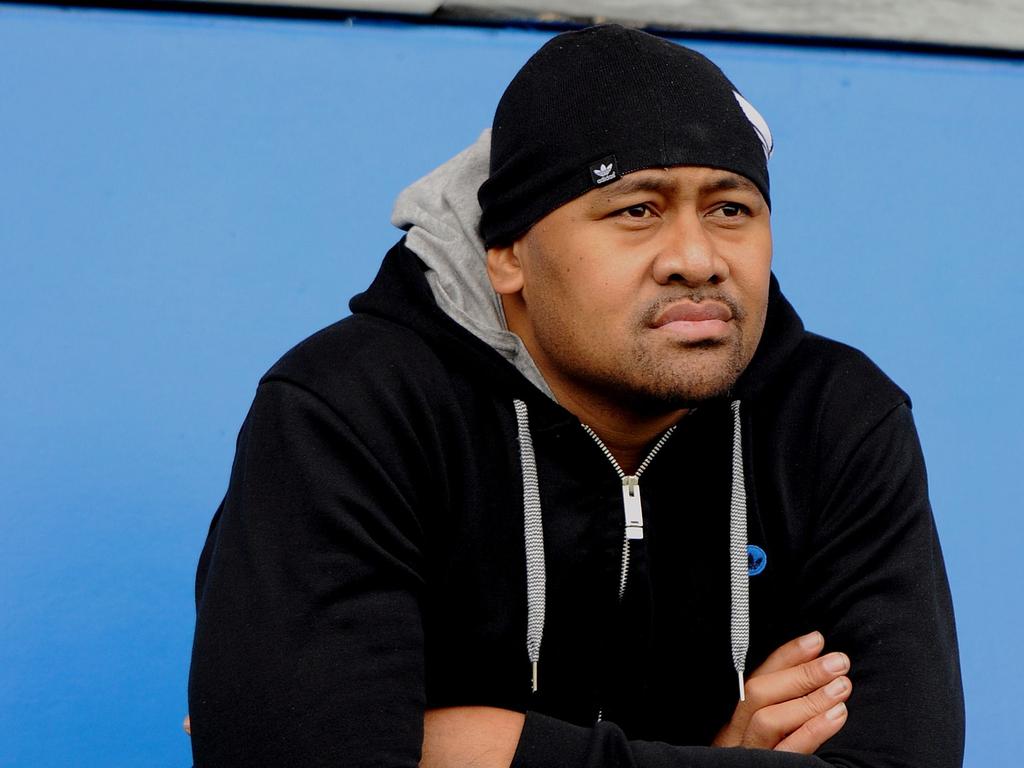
<point x="759" y="124"/>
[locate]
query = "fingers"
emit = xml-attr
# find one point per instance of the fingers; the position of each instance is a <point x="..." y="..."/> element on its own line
<point x="800" y="680"/>
<point x="793" y="698"/>
<point x="792" y="653"/>
<point x="808" y="737"/>
<point x="802" y="723"/>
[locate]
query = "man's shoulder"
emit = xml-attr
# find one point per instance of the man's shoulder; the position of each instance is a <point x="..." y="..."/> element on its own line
<point x="840" y="371"/>
<point x="361" y="356"/>
<point x="834" y="390"/>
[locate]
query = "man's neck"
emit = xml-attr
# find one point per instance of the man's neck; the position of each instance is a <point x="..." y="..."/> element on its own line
<point x="627" y="432"/>
<point x="628" y="435"/>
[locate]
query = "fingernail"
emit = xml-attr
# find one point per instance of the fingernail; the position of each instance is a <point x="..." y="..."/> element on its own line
<point x="836" y="687"/>
<point x="836" y="663"/>
<point x="836" y="712"/>
<point x="811" y="641"/>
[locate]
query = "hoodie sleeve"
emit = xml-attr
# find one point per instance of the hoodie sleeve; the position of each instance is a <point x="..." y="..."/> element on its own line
<point x="875" y="584"/>
<point x="310" y="659"/>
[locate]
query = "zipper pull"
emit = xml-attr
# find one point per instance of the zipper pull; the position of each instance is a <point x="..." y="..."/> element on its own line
<point x="631" y="507"/>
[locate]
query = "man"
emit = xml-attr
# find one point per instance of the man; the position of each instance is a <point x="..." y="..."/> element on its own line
<point x="573" y="486"/>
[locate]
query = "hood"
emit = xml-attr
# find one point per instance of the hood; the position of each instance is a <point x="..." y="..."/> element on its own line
<point x="441" y="215"/>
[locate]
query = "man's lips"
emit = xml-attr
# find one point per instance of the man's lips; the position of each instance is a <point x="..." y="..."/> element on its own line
<point x="691" y="312"/>
<point x="691" y="322"/>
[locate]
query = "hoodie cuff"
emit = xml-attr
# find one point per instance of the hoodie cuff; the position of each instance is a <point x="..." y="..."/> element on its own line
<point x="549" y="743"/>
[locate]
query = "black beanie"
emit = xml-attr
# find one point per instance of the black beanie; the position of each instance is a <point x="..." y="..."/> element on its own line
<point x="593" y="105"/>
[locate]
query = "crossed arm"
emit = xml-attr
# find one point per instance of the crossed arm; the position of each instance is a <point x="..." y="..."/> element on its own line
<point x="795" y="702"/>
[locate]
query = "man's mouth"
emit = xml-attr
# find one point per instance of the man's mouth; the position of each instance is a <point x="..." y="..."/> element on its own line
<point x="691" y="321"/>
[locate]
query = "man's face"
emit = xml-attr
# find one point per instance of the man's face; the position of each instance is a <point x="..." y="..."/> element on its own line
<point x="648" y="294"/>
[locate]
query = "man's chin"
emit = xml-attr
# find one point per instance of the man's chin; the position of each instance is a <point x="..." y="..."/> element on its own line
<point x="710" y="376"/>
<point x="693" y="396"/>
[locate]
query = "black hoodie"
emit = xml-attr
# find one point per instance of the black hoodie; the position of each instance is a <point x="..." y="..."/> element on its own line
<point x="368" y="561"/>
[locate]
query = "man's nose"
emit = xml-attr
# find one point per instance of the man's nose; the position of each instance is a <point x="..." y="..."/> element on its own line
<point x="688" y="254"/>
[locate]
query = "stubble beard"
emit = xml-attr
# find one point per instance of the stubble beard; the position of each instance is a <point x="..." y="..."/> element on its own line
<point x="686" y="376"/>
<point x="678" y="375"/>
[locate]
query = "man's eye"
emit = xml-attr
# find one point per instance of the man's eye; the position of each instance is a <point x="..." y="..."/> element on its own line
<point x="641" y="211"/>
<point x="731" y="210"/>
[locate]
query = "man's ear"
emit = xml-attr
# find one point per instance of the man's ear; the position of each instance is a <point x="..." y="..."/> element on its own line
<point x="505" y="269"/>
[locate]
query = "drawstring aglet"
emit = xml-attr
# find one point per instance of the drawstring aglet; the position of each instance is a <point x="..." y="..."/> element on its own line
<point x="743" y="692"/>
<point x="534" y="676"/>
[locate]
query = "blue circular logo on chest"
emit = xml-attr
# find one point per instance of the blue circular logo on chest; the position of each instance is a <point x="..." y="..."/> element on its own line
<point x="756" y="560"/>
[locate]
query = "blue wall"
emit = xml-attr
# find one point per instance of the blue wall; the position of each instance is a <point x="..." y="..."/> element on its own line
<point x="182" y="198"/>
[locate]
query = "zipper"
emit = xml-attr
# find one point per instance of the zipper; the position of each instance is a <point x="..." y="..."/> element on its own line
<point x="632" y="509"/>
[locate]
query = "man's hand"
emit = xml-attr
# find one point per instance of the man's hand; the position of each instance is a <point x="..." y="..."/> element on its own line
<point x="476" y="737"/>
<point x="795" y="700"/>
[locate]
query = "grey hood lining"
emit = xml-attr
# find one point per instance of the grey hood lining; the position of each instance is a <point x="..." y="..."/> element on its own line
<point x="441" y="215"/>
